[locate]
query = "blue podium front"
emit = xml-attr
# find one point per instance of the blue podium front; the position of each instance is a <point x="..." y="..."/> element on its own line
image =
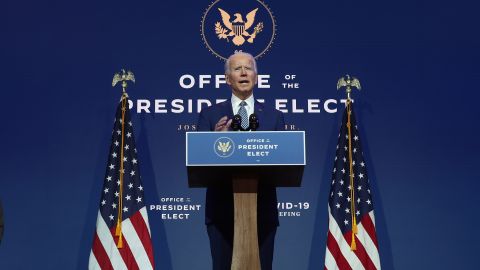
<point x="277" y="156"/>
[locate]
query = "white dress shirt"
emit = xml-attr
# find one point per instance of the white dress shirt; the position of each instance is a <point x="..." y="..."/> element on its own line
<point x="249" y="107"/>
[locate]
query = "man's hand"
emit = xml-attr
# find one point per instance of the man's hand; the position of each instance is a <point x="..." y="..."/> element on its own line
<point x="223" y="124"/>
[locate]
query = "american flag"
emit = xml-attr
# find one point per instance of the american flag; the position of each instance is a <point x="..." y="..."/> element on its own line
<point x="349" y="204"/>
<point x="122" y="200"/>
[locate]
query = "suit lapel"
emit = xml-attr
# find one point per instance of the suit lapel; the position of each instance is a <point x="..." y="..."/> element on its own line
<point x="259" y="112"/>
<point x="227" y="108"/>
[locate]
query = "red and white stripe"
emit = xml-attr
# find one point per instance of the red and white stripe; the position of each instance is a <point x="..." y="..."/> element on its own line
<point x="137" y="252"/>
<point x="338" y="254"/>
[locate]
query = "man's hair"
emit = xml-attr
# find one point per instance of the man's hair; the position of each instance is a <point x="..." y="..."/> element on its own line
<point x="227" y="63"/>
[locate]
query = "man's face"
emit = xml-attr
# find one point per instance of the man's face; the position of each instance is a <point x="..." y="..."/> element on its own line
<point x="242" y="77"/>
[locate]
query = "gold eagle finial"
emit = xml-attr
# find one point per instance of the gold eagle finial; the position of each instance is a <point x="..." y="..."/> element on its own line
<point x="348" y="82"/>
<point x="123" y="77"/>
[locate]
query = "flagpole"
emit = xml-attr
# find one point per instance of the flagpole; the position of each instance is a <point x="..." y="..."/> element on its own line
<point x="349" y="82"/>
<point x="123" y="76"/>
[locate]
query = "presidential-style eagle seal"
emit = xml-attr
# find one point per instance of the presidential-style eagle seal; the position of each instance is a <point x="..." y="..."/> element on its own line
<point x="229" y="26"/>
<point x="224" y="147"/>
<point x="238" y="28"/>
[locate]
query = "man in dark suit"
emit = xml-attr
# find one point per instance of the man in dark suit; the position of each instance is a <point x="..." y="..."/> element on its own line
<point x="241" y="76"/>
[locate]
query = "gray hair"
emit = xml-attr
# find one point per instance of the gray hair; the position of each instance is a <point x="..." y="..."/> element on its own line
<point x="227" y="63"/>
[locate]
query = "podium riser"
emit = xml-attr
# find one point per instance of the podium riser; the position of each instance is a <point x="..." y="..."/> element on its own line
<point x="245" y="238"/>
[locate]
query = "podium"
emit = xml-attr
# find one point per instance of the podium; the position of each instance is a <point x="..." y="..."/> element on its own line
<point x="245" y="158"/>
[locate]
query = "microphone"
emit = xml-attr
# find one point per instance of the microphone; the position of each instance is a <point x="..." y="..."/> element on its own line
<point x="253" y="122"/>
<point x="237" y="123"/>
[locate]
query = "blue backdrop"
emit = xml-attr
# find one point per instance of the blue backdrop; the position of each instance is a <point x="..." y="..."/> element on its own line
<point x="418" y="65"/>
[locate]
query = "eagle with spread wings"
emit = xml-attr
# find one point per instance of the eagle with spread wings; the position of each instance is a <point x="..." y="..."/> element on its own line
<point x="348" y="82"/>
<point x="237" y="27"/>
<point x="123" y="76"/>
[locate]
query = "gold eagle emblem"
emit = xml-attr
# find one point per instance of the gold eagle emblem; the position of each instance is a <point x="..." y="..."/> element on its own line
<point x="123" y="77"/>
<point x="224" y="147"/>
<point x="238" y="27"/>
<point x="348" y="82"/>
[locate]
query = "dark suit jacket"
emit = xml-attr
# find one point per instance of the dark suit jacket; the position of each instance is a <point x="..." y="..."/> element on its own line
<point x="219" y="201"/>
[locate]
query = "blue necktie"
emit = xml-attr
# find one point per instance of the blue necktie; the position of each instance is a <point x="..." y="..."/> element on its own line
<point x="243" y="113"/>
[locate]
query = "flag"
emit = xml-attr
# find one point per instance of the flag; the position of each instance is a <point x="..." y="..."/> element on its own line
<point x="122" y="239"/>
<point x="352" y="241"/>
